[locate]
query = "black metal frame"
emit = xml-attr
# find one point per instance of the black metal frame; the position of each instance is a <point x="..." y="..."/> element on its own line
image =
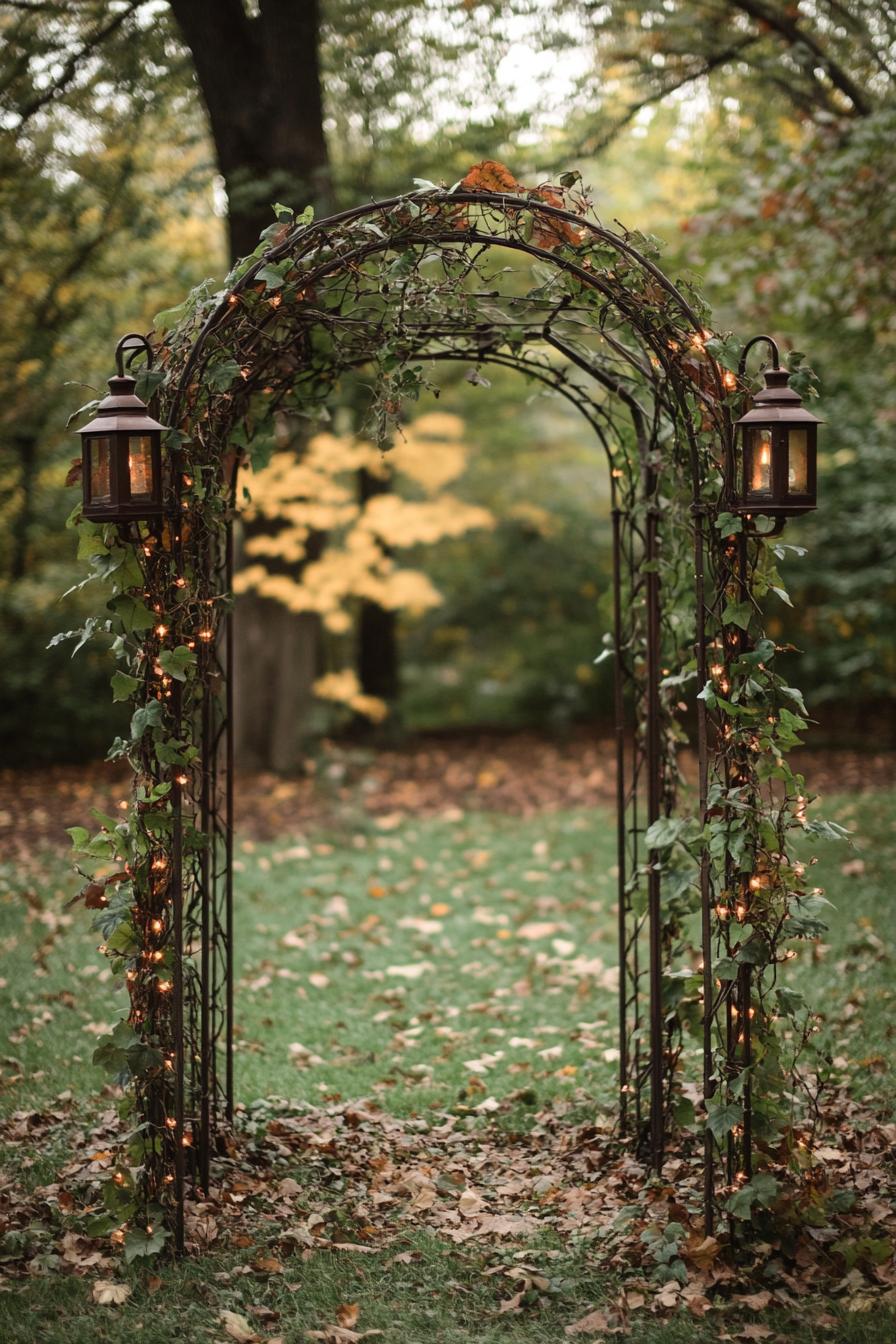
<point x="669" y="391"/>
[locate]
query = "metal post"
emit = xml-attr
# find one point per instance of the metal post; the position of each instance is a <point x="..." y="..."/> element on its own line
<point x="705" y="876"/>
<point x="622" y="898"/>
<point x="228" y="828"/>
<point x="654" y="767"/>
<point x="177" y="1006"/>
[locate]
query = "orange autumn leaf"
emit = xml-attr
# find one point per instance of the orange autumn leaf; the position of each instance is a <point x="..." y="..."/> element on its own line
<point x="549" y="232"/>
<point x="490" y="176"/>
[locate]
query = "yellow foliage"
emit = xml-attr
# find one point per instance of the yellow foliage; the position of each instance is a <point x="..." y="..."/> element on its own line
<point x="401" y="522"/>
<point x="343" y="688"/>
<point x="317" y="493"/>
<point x="432" y="451"/>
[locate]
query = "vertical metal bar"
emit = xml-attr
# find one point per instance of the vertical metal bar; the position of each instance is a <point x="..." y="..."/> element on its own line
<point x="705" y="876"/>
<point x="177" y="1006"/>
<point x="622" y="916"/>
<point x="745" y="976"/>
<point x="744" y="995"/>
<point x="205" y="938"/>
<point x="653" y="811"/>
<point x="228" y="823"/>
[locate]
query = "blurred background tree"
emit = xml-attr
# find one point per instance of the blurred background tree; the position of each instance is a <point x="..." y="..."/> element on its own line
<point x="144" y="141"/>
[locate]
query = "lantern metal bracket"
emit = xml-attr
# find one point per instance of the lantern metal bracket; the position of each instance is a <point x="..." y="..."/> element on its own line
<point x="755" y="340"/>
<point x="134" y="343"/>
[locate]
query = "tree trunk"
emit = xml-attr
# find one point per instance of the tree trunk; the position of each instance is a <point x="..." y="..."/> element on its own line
<point x="260" y="79"/>
<point x="377" y="647"/>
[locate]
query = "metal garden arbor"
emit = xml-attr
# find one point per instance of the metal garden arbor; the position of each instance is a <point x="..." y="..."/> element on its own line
<point x="530" y="281"/>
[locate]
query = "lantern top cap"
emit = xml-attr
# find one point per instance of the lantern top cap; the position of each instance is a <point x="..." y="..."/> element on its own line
<point x="122" y="409"/>
<point x="778" y="402"/>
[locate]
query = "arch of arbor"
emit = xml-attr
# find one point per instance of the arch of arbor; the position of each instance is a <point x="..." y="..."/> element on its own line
<point x="529" y="280"/>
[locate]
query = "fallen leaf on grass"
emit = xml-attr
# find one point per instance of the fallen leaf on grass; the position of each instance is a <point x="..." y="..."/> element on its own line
<point x="347" y="1314"/>
<point x="237" y="1327"/>
<point x="267" y="1264"/>
<point x="590" y="1324"/>
<point x="755" y="1301"/>
<point x="107" y="1293"/>
<point x="411" y="972"/>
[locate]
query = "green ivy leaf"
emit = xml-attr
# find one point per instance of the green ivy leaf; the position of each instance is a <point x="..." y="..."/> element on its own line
<point x="175" y="662"/>
<point x="220" y="376"/>
<point x="729" y="524"/>
<point x="722" y="1119"/>
<point x="80" y="838"/>
<point x="762" y="1190"/>
<point x="124" y="686"/>
<point x="111" y="1052"/>
<point x="134" y="616"/>
<point x="140" y="1244"/>
<point x="739" y="614"/>
<point x="148" y="716"/>
<point x="664" y="832"/>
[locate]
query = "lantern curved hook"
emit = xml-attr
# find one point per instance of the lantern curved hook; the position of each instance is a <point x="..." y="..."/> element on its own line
<point x="134" y="343"/>
<point x="770" y="342"/>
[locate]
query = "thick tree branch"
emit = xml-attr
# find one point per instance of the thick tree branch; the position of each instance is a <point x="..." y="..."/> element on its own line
<point x="74" y="62"/>
<point x="778" y="20"/>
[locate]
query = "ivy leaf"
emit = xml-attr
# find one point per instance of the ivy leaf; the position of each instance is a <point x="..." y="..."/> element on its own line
<point x="754" y="953"/>
<point x="124" y="686"/>
<point x="664" y="832"/>
<point x="149" y="716"/>
<point x="142" y="1058"/>
<point x="738" y="613"/>
<point x="797" y="697"/>
<point x="220" y="376"/>
<point x="171" y="317"/>
<point x="729" y="524"/>
<point x="762" y="1190"/>
<point x="725" y="969"/>
<point x="722" y="1119"/>
<point x="140" y="1243"/>
<point x="175" y="662"/>
<point x="763" y="524"/>
<point x="111" y="1052"/>
<point x="134" y="616"/>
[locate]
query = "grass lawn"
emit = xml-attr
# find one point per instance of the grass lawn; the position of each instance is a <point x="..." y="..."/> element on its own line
<point x="429" y="965"/>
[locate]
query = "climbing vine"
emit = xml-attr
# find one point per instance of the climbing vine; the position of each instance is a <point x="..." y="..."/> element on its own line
<point x="713" y="892"/>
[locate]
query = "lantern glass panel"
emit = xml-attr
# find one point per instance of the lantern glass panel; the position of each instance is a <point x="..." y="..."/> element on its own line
<point x="101" y="470"/>
<point x="140" y="465"/>
<point x="797" y="462"/>
<point x="759" y="461"/>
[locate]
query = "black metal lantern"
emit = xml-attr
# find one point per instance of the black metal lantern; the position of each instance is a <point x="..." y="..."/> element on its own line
<point x="121" y="459"/>
<point x="778" y="462"/>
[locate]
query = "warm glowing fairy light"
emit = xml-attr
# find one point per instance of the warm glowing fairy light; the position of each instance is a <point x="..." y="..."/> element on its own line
<point x="157" y="926"/>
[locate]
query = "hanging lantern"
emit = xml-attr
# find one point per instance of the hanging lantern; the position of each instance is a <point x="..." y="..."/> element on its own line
<point x="778" y="461"/>
<point x="121" y="459"/>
